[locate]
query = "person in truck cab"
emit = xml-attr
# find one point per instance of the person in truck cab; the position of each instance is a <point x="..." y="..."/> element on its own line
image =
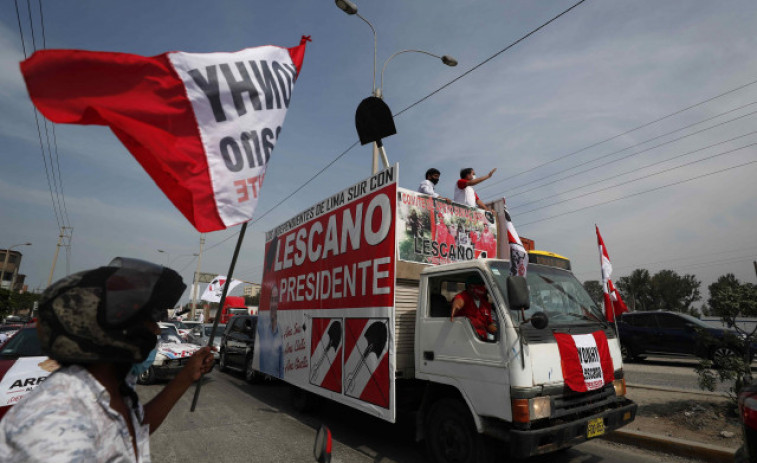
<point x="101" y="326"/>
<point x="464" y="193"/>
<point x="474" y="304"/>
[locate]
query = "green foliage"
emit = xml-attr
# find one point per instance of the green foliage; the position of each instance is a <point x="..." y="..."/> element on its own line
<point x="729" y="300"/>
<point x="636" y="289"/>
<point x="594" y="288"/>
<point x="11" y="303"/>
<point x="666" y="290"/>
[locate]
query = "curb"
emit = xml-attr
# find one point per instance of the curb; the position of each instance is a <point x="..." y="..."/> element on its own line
<point x="672" y="445"/>
<point x="677" y="390"/>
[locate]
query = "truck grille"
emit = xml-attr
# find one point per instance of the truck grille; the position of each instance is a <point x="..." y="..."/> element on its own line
<point x="572" y="404"/>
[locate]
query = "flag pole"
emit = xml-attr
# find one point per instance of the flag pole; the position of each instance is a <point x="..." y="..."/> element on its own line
<point x="229" y="276"/>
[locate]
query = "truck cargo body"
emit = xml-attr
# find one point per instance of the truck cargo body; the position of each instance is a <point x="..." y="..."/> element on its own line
<point x="356" y="304"/>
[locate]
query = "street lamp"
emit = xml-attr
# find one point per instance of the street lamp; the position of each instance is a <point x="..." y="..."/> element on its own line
<point x="373" y="119"/>
<point x="5" y="264"/>
<point x="446" y="59"/>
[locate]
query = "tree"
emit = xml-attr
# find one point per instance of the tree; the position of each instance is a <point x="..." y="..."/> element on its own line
<point x="730" y="299"/>
<point x="673" y="292"/>
<point x="13" y="302"/>
<point x="637" y="289"/>
<point x="594" y="288"/>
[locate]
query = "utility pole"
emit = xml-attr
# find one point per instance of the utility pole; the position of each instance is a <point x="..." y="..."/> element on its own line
<point x="755" y="266"/>
<point x="195" y="278"/>
<point x="57" y="248"/>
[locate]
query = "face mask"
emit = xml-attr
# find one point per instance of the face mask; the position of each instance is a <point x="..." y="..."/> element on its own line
<point x="473" y="177"/>
<point x="478" y="290"/>
<point x="434" y="181"/>
<point x="139" y="368"/>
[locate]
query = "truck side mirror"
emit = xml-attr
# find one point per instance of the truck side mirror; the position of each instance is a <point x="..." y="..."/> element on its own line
<point x="517" y="293"/>
<point x="539" y="320"/>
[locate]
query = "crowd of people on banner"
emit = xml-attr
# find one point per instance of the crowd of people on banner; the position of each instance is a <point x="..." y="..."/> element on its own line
<point x="457" y="231"/>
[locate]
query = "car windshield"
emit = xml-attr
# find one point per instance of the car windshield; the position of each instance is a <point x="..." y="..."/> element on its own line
<point x="168" y="335"/>
<point x="553" y="291"/>
<point x="24" y="344"/>
<point x="219" y="330"/>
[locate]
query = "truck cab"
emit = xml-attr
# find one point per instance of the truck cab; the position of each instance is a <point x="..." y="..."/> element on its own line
<point x="510" y="385"/>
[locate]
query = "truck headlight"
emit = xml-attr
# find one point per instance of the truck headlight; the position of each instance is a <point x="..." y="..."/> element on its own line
<point x="525" y="410"/>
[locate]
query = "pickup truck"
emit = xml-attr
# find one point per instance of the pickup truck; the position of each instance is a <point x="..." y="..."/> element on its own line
<point x="355" y="304"/>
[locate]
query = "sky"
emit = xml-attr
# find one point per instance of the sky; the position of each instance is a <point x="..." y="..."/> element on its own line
<point x="598" y="118"/>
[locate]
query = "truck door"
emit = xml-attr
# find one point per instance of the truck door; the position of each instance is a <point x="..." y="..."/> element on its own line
<point x="450" y="351"/>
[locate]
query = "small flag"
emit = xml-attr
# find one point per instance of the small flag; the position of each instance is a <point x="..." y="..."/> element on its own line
<point x="202" y="125"/>
<point x="614" y="304"/>
<point x="215" y="288"/>
<point x="518" y="253"/>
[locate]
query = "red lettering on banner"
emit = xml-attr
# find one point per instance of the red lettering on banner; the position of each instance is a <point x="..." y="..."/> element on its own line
<point x="243" y="187"/>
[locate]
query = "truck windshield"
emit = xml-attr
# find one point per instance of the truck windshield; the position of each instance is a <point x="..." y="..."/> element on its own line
<point x="553" y="291"/>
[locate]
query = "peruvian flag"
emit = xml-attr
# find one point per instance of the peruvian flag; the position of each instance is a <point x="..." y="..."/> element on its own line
<point x="585" y="360"/>
<point x="518" y="253"/>
<point x="614" y="304"/>
<point x="203" y="125"/>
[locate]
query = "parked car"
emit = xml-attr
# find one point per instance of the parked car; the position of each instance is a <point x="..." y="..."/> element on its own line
<point x="237" y="345"/>
<point x="22" y="367"/>
<point x="201" y="334"/>
<point x="7" y="331"/>
<point x="672" y="333"/>
<point x="190" y="325"/>
<point x="181" y="328"/>
<point x="172" y="354"/>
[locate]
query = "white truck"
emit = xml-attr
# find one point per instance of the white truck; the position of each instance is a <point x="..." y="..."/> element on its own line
<point x="355" y="307"/>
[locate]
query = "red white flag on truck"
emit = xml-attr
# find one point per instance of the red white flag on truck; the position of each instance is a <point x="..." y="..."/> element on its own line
<point x="586" y="361"/>
<point x="203" y="125"/>
<point x="614" y="304"/>
<point x="518" y="253"/>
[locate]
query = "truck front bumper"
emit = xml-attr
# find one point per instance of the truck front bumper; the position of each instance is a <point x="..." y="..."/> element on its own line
<point x="538" y="441"/>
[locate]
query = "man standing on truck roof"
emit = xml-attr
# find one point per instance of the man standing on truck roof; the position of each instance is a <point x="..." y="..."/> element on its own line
<point x="427" y="186"/>
<point x="464" y="193"/>
<point x="473" y="303"/>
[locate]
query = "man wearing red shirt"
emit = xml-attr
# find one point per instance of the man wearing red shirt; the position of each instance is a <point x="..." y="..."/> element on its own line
<point x="473" y="303"/>
<point x="464" y="193"/>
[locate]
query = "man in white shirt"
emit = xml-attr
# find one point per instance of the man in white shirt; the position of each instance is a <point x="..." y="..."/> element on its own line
<point x="464" y="193"/>
<point x="427" y="186"/>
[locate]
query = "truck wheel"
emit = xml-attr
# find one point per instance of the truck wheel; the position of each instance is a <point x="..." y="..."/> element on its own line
<point x="222" y="363"/>
<point x="147" y="376"/>
<point x="250" y="375"/>
<point x="451" y="435"/>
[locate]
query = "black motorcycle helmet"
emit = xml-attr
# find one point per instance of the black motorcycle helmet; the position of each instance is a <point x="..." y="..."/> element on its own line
<point x="102" y="315"/>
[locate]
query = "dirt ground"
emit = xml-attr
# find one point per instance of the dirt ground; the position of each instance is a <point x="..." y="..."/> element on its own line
<point x="694" y="417"/>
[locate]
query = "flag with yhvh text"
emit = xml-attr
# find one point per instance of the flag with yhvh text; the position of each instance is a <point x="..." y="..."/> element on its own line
<point x="614" y="304"/>
<point x="215" y="288"/>
<point x="203" y="125"/>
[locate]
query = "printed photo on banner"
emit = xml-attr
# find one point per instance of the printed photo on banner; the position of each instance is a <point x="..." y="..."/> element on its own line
<point x="432" y="231"/>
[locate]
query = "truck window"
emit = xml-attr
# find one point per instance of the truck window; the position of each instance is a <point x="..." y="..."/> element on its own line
<point x="444" y="288"/>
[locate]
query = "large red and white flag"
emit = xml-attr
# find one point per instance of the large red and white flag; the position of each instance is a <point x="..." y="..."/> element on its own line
<point x="203" y="125"/>
<point x="614" y="304"/>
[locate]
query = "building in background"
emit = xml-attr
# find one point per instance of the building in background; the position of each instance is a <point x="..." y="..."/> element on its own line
<point x="10" y="262"/>
<point x="252" y="290"/>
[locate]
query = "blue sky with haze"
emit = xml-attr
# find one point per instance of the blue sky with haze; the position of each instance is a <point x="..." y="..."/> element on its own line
<point x="599" y="71"/>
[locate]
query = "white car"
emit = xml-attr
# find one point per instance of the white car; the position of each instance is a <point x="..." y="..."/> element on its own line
<point x="171" y="356"/>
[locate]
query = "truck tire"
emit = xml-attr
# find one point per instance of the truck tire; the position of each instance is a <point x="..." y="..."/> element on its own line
<point x="146" y="377"/>
<point x="250" y="375"/>
<point x="451" y="435"/>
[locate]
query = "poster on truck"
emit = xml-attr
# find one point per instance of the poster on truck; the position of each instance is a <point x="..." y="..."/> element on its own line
<point x="326" y="319"/>
<point x="433" y="231"/>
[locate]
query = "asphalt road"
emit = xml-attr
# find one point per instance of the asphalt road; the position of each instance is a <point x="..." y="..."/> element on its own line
<point x="238" y="422"/>
<point x="672" y="372"/>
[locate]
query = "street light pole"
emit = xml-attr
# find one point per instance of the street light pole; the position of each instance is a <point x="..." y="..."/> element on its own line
<point x="195" y="281"/>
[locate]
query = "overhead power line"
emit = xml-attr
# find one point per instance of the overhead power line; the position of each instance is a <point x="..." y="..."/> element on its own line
<point x="646" y="124"/>
<point x="639" y="193"/>
<point x="628" y="156"/>
<point x="615" y="176"/>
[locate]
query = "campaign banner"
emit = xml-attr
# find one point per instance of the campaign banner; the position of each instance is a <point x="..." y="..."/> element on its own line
<point x="586" y="361"/>
<point x="24" y="376"/>
<point x="433" y="231"/>
<point x="328" y="276"/>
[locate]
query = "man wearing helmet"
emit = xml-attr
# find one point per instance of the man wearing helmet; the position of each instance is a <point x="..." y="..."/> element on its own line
<point x="474" y="304"/>
<point x="101" y="326"/>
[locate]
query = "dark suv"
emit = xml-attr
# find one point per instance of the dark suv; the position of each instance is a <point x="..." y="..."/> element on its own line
<point x="237" y="345"/>
<point x="674" y="333"/>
